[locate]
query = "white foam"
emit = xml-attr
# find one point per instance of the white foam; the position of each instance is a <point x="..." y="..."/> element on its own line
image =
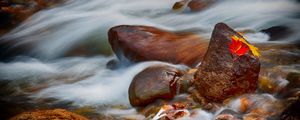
<point x="104" y="88"/>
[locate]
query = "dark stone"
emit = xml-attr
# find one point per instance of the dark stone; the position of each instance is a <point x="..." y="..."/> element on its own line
<point x="294" y="80"/>
<point x="194" y="5"/>
<point x="112" y="64"/>
<point x="143" y="43"/>
<point x="156" y="82"/>
<point x="222" y="74"/>
<point x="277" y="32"/>
<point x="292" y="112"/>
<point x="5" y="19"/>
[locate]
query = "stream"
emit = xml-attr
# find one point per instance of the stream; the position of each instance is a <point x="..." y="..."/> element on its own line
<point x="59" y="55"/>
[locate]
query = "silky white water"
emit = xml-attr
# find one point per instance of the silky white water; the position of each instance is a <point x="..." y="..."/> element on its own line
<point x="55" y="31"/>
<point x="85" y="81"/>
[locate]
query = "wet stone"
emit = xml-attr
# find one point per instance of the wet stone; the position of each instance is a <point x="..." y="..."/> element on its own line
<point x="222" y="74"/>
<point x="156" y="82"/>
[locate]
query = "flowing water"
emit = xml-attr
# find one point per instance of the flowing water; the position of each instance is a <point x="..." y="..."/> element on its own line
<point x="43" y="71"/>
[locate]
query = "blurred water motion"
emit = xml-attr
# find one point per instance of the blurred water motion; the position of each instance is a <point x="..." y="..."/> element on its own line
<point x="44" y="43"/>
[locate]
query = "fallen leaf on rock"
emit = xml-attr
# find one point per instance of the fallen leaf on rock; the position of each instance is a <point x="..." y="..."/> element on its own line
<point x="240" y="47"/>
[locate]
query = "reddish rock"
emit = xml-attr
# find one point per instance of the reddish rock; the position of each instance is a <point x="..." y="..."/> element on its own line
<point x="222" y="74"/>
<point x="144" y="43"/>
<point x="194" y="5"/>
<point x="156" y="82"/>
<point x="57" y="114"/>
<point x="197" y="5"/>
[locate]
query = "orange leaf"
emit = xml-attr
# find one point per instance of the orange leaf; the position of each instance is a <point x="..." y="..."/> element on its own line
<point x="238" y="47"/>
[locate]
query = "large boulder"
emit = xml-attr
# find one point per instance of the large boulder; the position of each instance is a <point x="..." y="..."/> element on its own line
<point x="156" y="82"/>
<point x="144" y="43"/>
<point x="224" y="72"/>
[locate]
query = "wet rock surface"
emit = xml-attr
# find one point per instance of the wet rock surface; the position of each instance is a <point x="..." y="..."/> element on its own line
<point x="198" y="5"/>
<point x="193" y="5"/>
<point x="222" y="74"/>
<point x="157" y="82"/>
<point x="143" y="43"/>
<point x="57" y="114"/>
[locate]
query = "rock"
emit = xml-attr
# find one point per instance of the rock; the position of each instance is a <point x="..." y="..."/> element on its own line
<point x="13" y="12"/>
<point x="112" y="64"/>
<point x="228" y="114"/>
<point x="223" y="74"/>
<point x="156" y="82"/>
<point x="277" y="32"/>
<point x="194" y="5"/>
<point x="292" y="112"/>
<point x="172" y="112"/>
<point x="198" y="5"/>
<point x="179" y="5"/>
<point x="294" y="79"/>
<point x="144" y="43"/>
<point x="48" y="115"/>
<point x="183" y="101"/>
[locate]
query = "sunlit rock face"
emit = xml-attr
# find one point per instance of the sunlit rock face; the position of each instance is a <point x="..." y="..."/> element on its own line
<point x="223" y="74"/>
<point x="143" y="43"/>
<point x="156" y="82"/>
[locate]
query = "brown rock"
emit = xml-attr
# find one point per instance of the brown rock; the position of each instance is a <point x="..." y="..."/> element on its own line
<point x="57" y="114"/>
<point x="222" y="74"/>
<point x="144" y="43"/>
<point x="156" y="82"/>
<point x="179" y="5"/>
<point x="194" y="5"/>
<point x="197" y="5"/>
